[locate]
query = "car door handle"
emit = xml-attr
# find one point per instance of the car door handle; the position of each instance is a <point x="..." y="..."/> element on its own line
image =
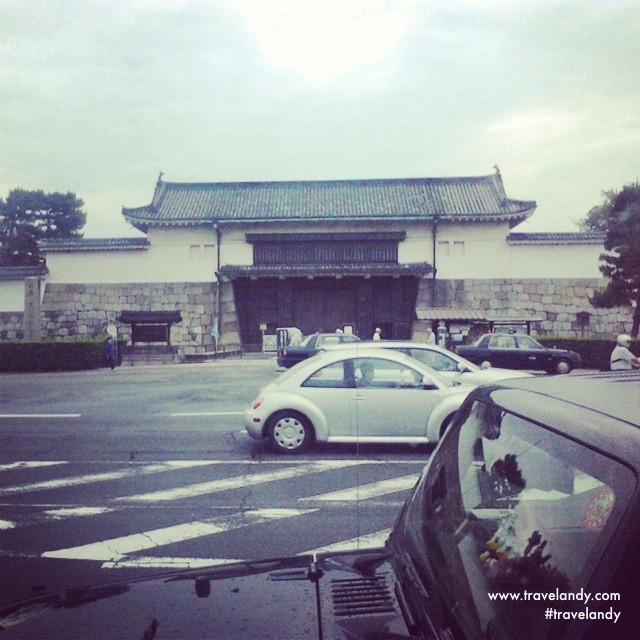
<point x="358" y="398"/>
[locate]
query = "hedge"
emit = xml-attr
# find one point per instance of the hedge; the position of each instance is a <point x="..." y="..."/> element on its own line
<point x="594" y="352"/>
<point x="52" y="356"/>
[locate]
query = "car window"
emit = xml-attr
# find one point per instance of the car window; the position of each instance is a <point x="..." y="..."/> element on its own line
<point x="481" y="343"/>
<point x="502" y="342"/>
<point x="434" y="359"/>
<point x="326" y="340"/>
<point x="515" y="507"/>
<point x="385" y="374"/>
<point x="348" y="337"/>
<point x="307" y="340"/>
<point x="525" y="342"/>
<point x="336" y="375"/>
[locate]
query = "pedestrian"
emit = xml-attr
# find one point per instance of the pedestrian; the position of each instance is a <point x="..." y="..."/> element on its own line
<point x="621" y="357"/>
<point x="376" y="334"/>
<point x="430" y="335"/>
<point x="109" y="352"/>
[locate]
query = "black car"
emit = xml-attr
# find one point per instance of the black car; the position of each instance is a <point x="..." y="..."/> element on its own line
<point x="292" y="354"/>
<point x="524" y="525"/>
<point x="518" y="351"/>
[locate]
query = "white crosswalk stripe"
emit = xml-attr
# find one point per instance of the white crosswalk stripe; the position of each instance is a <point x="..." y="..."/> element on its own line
<point x="364" y="492"/>
<point x="235" y="482"/>
<point x="132" y="551"/>
<point x="30" y="464"/>
<point x="112" y="550"/>
<point x="129" y="472"/>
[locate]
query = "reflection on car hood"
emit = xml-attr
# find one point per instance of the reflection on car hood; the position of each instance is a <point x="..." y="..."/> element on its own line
<point x="283" y="598"/>
<point x="493" y="374"/>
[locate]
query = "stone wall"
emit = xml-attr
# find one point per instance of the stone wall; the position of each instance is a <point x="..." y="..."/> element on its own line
<point x="557" y="301"/>
<point x="72" y="311"/>
<point x="11" y="325"/>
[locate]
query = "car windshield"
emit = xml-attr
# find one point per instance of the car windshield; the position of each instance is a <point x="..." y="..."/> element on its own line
<point x="439" y="360"/>
<point x="512" y="509"/>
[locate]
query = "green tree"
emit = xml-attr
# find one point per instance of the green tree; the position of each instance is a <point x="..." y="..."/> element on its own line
<point x="596" y="219"/>
<point x="28" y="216"/>
<point x="619" y="218"/>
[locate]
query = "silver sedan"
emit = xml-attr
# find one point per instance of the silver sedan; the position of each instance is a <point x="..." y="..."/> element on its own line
<point x="449" y="364"/>
<point x="375" y="395"/>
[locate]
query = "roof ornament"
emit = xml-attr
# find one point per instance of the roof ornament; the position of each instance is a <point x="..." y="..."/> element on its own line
<point x="160" y="178"/>
<point x="495" y="166"/>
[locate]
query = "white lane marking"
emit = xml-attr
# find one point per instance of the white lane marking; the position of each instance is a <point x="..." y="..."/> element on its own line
<point x="7" y="524"/>
<point x="101" y="477"/>
<point x="373" y="490"/>
<point x="206" y="413"/>
<point x="368" y="541"/>
<point x="151" y="562"/>
<point x="30" y="464"/>
<point x="74" y="512"/>
<point x="112" y="550"/>
<point x="40" y="415"/>
<point x="236" y="482"/>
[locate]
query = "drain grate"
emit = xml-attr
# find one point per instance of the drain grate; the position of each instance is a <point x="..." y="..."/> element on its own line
<point x="360" y="596"/>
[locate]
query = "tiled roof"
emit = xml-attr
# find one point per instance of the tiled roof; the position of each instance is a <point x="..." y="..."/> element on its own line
<point x="149" y="317"/>
<point x="20" y="273"/>
<point x="567" y="237"/>
<point x="49" y="245"/>
<point x="482" y="315"/>
<point x="466" y="199"/>
<point x="440" y="313"/>
<point x="324" y="270"/>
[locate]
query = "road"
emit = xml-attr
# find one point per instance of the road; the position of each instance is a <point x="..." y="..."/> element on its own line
<point x="107" y="475"/>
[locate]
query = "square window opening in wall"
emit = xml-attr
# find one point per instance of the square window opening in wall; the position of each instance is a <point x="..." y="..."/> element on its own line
<point x="458" y="248"/>
<point x="195" y="251"/>
<point x="444" y="247"/>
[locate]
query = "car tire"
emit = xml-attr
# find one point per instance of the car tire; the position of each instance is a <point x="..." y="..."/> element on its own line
<point x="563" y="366"/>
<point x="290" y="432"/>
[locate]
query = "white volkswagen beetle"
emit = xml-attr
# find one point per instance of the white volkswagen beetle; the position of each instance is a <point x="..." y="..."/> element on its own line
<point x="374" y="396"/>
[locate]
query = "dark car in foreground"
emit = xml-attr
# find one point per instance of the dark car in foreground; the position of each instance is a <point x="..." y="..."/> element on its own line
<point x="518" y="351"/>
<point x="524" y="525"/>
<point x="292" y="354"/>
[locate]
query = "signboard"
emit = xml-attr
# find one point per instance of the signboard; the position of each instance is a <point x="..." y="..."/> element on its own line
<point x="269" y="343"/>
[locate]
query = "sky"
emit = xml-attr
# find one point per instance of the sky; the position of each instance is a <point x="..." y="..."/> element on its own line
<point x="99" y="97"/>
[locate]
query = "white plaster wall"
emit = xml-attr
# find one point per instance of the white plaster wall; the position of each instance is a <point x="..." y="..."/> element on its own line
<point x="472" y="251"/>
<point x="182" y="254"/>
<point x="89" y="267"/>
<point x="174" y="255"/>
<point x="12" y="295"/>
<point x="189" y="254"/>
<point x="555" y="261"/>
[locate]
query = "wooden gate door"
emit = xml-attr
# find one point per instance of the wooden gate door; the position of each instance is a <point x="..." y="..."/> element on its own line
<point x="324" y="306"/>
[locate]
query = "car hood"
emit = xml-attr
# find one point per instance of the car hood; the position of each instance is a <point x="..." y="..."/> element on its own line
<point x="336" y="596"/>
<point x="493" y="374"/>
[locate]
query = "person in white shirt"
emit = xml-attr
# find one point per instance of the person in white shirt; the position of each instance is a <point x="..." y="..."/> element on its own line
<point x="376" y="334"/>
<point x="431" y="336"/>
<point x="621" y="357"/>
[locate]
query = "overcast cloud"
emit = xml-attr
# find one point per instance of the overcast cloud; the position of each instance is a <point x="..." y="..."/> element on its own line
<point x="98" y="97"/>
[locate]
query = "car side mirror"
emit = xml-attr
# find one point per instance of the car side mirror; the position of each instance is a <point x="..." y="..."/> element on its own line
<point x="428" y="384"/>
<point x="460" y="368"/>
